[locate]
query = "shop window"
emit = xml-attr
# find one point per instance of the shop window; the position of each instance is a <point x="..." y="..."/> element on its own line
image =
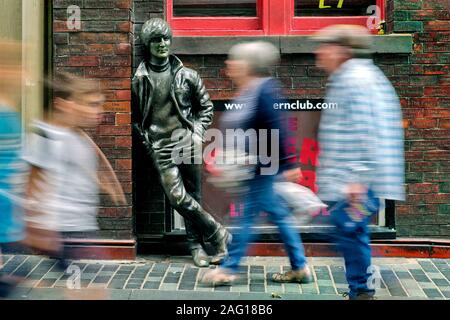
<point x="311" y="15"/>
<point x="216" y="17"/>
<point x="269" y="17"/>
<point x="336" y="8"/>
<point x="214" y="8"/>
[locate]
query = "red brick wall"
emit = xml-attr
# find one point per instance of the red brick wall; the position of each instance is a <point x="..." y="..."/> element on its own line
<point x="102" y="50"/>
<point x="423" y="84"/>
<point x="150" y="206"/>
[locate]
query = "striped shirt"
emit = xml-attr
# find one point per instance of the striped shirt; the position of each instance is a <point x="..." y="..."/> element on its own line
<point x="362" y="140"/>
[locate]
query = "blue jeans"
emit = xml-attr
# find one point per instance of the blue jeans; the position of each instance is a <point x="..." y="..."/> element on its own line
<point x="262" y="197"/>
<point x="355" y="247"/>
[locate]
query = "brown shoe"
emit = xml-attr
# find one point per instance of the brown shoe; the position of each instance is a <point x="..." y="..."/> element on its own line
<point x="365" y="296"/>
<point x="297" y="276"/>
<point x="360" y="296"/>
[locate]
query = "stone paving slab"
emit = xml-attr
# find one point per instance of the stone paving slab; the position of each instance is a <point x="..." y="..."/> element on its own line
<point x="163" y="277"/>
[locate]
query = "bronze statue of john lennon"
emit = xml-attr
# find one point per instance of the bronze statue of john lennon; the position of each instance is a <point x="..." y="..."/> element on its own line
<point x="169" y="98"/>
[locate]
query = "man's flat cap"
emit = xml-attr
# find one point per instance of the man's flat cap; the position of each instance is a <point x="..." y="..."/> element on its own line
<point x="352" y="36"/>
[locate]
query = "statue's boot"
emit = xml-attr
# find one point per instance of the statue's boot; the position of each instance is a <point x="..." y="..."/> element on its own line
<point x="198" y="221"/>
<point x="194" y="238"/>
<point x="220" y="241"/>
<point x="200" y="258"/>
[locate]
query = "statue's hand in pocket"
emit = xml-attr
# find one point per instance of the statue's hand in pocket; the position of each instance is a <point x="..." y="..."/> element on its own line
<point x="197" y="134"/>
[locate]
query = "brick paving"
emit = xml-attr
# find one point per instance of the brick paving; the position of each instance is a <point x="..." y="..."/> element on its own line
<point x="157" y="277"/>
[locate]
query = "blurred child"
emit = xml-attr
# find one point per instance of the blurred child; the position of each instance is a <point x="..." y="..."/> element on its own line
<point x="64" y="183"/>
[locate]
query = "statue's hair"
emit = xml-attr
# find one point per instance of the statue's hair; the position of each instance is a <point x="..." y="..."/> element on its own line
<point x="259" y="55"/>
<point x="153" y="28"/>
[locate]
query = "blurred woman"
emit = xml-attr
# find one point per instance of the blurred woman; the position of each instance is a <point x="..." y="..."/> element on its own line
<point x="248" y="66"/>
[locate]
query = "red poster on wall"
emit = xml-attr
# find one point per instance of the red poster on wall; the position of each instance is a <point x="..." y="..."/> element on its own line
<point x="301" y="140"/>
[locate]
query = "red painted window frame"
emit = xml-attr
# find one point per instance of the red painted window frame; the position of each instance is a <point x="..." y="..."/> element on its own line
<point x="215" y="26"/>
<point x="274" y="17"/>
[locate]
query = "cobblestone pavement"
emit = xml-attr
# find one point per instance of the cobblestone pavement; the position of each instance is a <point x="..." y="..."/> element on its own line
<point x="158" y="277"/>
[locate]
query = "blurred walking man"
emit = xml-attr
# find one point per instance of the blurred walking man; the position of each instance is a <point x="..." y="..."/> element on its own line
<point x="361" y="146"/>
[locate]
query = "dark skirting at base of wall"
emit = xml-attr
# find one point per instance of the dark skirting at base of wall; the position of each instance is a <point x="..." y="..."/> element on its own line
<point x="128" y="250"/>
<point x="393" y="249"/>
<point x="102" y="249"/>
<point x="95" y="249"/>
<point x="401" y="247"/>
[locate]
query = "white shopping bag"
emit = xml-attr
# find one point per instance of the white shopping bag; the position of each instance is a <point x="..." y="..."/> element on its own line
<point x="233" y="171"/>
<point x="303" y="202"/>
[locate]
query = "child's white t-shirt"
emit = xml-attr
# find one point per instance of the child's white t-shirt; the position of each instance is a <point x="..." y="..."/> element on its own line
<point x="69" y="199"/>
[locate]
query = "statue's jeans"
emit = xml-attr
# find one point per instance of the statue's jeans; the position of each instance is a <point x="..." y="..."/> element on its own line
<point x="182" y="185"/>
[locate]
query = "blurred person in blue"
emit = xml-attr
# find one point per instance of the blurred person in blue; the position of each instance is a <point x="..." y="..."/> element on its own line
<point x="248" y="66"/>
<point x="65" y="181"/>
<point x="361" y="146"/>
<point x="12" y="168"/>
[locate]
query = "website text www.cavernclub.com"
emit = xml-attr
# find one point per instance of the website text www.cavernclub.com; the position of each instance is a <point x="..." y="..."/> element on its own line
<point x="234" y="106"/>
<point x="299" y="105"/>
<point x="305" y="105"/>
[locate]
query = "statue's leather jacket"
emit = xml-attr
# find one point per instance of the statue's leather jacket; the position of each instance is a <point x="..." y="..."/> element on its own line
<point x="188" y="94"/>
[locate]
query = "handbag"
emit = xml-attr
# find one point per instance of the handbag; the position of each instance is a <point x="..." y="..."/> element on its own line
<point x="303" y="202"/>
<point x="233" y="172"/>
